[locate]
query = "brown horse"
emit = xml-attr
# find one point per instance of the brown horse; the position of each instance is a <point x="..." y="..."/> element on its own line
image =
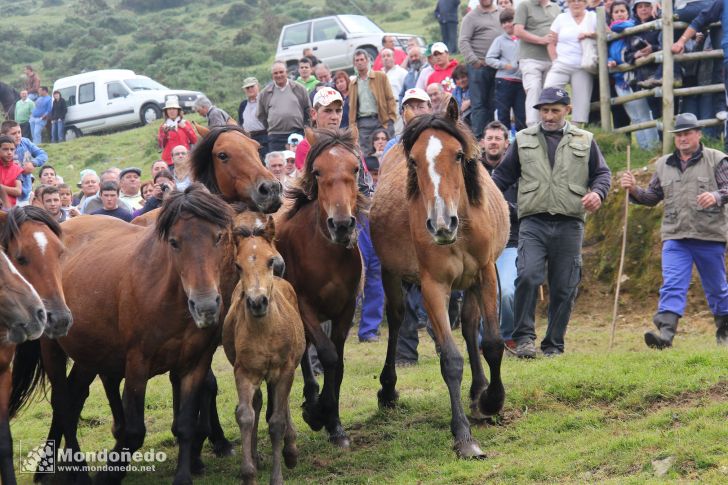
<point x="318" y="240"/>
<point x="264" y="339"/>
<point x="161" y="294"/>
<point x="438" y="220"/>
<point x="31" y="239"/>
<point x="226" y="161"/>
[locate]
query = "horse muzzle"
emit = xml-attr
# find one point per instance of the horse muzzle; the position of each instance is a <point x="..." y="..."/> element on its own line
<point x="257" y="305"/>
<point x="205" y="309"/>
<point x="341" y="230"/>
<point x="268" y="196"/>
<point x="59" y="321"/>
<point x="28" y="330"/>
<point x="443" y="230"/>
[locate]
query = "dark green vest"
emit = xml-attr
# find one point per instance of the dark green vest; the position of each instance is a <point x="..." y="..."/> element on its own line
<point x="684" y="218"/>
<point x="542" y="189"/>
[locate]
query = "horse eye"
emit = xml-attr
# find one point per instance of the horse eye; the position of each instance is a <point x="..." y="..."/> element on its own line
<point x="271" y="262"/>
<point x="218" y="239"/>
<point x="174" y="243"/>
<point x="222" y="156"/>
<point x="459" y="157"/>
<point x="22" y="260"/>
<point x="356" y="170"/>
<point x="315" y="173"/>
<point x="238" y="267"/>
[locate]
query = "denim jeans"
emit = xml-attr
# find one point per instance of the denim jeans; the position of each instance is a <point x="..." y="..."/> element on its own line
<point x="36" y="128"/>
<point x="678" y="257"/>
<point x="372" y="309"/>
<point x="557" y="241"/>
<point x="57" y="133"/>
<point x="506" y="265"/>
<point x="449" y="33"/>
<point x="482" y="93"/>
<point x="510" y="95"/>
<point x="639" y="111"/>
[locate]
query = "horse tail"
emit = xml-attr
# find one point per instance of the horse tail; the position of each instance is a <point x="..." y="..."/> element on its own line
<point x="28" y="373"/>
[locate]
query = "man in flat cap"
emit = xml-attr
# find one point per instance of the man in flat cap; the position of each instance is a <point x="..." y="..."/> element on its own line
<point x="693" y="184"/>
<point x="561" y="175"/>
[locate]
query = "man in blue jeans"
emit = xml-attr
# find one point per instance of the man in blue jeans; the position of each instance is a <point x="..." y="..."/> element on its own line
<point x="692" y="182"/>
<point x="40" y="114"/>
<point x="446" y="13"/>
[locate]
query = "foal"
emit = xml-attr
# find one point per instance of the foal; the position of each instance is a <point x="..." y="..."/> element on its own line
<point x="264" y="340"/>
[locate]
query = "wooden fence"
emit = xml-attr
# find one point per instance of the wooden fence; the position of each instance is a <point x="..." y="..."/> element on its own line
<point x="665" y="57"/>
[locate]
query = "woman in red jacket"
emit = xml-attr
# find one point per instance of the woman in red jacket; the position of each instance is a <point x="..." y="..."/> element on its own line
<point x="174" y="130"/>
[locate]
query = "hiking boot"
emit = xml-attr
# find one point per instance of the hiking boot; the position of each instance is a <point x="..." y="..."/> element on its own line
<point x="526" y="350"/>
<point x="510" y="346"/>
<point x="666" y="323"/>
<point x="551" y="352"/>
<point x="721" y="334"/>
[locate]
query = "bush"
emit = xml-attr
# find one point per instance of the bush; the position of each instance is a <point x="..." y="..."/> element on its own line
<point x="141" y="6"/>
<point x="242" y="37"/>
<point x="237" y="14"/>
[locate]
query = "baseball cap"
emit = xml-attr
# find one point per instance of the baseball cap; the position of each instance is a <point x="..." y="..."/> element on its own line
<point x="135" y="170"/>
<point x="415" y="93"/>
<point x="249" y="81"/>
<point x="428" y="50"/>
<point x="326" y="96"/>
<point x="295" y="139"/>
<point x="553" y="96"/>
<point x="288" y="154"/>
<point x="439" y="47"/>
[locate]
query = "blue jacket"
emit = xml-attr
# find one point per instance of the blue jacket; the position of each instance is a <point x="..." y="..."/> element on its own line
<point x="43" y="106"/>
<point x="38" y="157"/>
<point x="617" y="47"/>
<point x="447" y="11"/>
<point x="713" y="13"/>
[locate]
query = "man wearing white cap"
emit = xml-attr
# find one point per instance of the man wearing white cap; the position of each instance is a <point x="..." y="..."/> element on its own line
<point x="418" y="102"/>
<point x="248" y="115"/>
<point x="328" y="108"/>
<point x="443" y="67"/>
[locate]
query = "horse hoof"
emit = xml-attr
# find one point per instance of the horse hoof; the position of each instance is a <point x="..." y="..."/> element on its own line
<point x="340" y="441"/>
<point x="290" y="457"/>
<point x="312" y="417"/>
<point x="197" y="467"/>
<point x="469" y="450"/>
<point x="387" y="400"/>
<point x="475" y="415"/>
<point x="223" y="448"/>
<point x="491" y="401"/>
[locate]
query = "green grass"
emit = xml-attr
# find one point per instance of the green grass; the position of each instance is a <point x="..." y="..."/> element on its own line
<point x="588" y="416"/>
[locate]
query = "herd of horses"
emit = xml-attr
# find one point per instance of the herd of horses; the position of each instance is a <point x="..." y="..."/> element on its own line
<point x="233" y="260"/>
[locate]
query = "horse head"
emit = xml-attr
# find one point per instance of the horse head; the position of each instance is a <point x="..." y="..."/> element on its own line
<point x="330" y="178"/>
<point x="227" y="162"/>
<point x="257" y="260"/>
<point x="442" y="168"/>
<point x="32" y="241"/>
<point x="195" y="225"/>
<point x="21" y="309"/>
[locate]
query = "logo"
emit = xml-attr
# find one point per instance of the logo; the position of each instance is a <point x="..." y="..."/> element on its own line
<point x="561" y="93"/>
<point x="41" y="459"/>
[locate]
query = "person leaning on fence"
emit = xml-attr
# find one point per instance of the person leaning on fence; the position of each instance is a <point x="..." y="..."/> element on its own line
<point x="561" y="176"/>
<point x="692" y="182"/>
<point x="638" y="110"/>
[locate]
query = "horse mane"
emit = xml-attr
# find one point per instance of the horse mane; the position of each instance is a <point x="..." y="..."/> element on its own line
<point x="458" y="130"/>
<point x="17" y="216"/>
<point x="203" y="169"/>
<point x="305" y="190"/>
<point x="197" y="201"/>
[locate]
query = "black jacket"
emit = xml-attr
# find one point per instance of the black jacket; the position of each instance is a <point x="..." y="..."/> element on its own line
<point x="59" y="109"/>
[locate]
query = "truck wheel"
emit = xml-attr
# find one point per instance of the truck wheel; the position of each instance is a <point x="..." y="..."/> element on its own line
<point x="71" y="133"/>
<point x="150" y="113"/>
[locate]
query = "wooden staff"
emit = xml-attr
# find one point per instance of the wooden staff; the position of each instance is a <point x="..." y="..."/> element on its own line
<point x="621" y="257"/>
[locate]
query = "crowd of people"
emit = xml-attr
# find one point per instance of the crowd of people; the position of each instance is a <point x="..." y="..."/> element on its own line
<point x="511" y="91"/>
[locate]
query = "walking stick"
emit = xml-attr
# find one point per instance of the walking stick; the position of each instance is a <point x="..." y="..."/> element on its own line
<point x="621" y="257"/>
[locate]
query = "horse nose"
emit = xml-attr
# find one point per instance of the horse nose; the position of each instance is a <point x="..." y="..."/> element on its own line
<point x="258" y="305"/>
<point x="58" y="323"/>
<point x="443" y="233"/>
<point x="341" y="229"/>
<point x="269" y="196"/>
<point x="205" y="309"/>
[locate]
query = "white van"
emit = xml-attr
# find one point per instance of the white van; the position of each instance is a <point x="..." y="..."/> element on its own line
<point x="114" y="98"/>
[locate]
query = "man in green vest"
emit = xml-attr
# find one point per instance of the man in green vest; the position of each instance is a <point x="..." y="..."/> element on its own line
<point x="693" y="183"/>
<point x="561" y="175"/>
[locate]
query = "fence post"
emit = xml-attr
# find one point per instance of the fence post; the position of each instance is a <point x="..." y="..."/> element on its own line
<point x="604" y="95"/>
<point x="668" y="71"/>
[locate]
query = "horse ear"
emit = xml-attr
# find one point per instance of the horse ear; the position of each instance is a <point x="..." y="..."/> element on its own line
<point x="310" y="136"/>
<point x="201" y="130"/>
<point x="452" y="111"/>
<point x="408" y="114"/>
<point x="270" y="229"/>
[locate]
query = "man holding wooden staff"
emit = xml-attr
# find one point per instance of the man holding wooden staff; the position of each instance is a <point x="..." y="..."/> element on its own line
<point x="693" y="183"/>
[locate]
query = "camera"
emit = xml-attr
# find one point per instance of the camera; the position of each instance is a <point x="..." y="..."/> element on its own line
<point x="164" y="187"/>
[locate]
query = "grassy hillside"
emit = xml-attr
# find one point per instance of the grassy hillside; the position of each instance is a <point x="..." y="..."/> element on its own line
<point x="208" y="46"/>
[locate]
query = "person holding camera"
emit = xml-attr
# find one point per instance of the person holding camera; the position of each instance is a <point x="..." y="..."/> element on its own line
<point x="174" y="131"/>
<point x="163" y="186"/>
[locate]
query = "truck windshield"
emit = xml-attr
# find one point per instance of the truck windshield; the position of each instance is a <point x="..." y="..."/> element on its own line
<point x="143" y="84"/>
<point x="358" y="24"/>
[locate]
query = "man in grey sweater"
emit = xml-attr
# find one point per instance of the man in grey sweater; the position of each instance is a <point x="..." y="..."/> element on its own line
<point x="283" y="108"/>
<point x="479" y="29"/>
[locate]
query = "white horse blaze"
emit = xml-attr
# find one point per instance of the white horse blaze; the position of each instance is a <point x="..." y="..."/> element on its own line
<point x="434" y="147"/>
<point x="42" y="241"/>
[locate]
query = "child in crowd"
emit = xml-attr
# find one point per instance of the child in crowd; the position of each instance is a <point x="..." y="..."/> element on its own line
<point x="503" y="56"/>
<point x="638" y="110"/>
<point x="462" y="92"/>
<point x="64" y="192"/>
<point x="9" y="171"/>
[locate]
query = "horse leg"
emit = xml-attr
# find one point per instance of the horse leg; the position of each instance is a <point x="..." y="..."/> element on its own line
<point x="470" y="327"/>
<point x="312" y="409"/>
<point x="387" y="395"/>
<point x="257" y="405"/>
<point x="492" y="398"/>
<point x="290" y="451"/>
<point x="174" y="380"/>
<point x="435" y="295"/>
<point x="221" y="446"/>
<point x="7" y="472"/>
<point x="278" y="393"/>
<point x="245" y="414"/>
<point x="111" y="388"/>
<point x="329" y="400"/>
<point x="310" y="384"/>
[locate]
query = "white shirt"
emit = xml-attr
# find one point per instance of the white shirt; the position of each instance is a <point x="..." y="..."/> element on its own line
<point x="568" y="48"/>
<point x="396" y="77"/>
